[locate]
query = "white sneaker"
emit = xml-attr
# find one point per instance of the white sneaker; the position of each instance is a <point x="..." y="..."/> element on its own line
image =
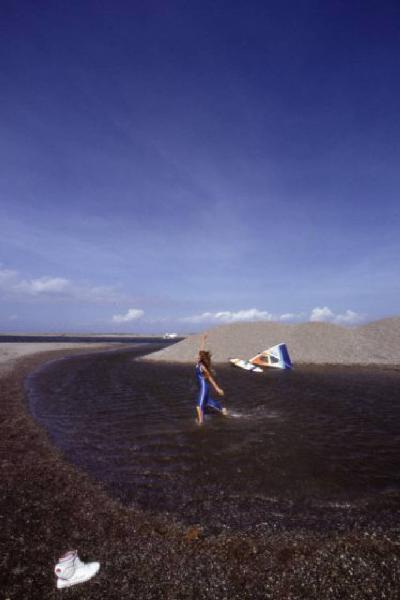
<point x="225" y="412"/>
<point x="71" y="570"/>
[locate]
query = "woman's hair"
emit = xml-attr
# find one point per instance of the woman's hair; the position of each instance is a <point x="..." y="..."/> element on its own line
<point x="205" y="358"/>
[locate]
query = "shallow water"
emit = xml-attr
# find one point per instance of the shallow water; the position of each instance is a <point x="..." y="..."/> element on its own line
<point x="311" y="437"/>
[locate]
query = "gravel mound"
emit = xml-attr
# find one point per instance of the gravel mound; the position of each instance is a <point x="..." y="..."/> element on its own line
<point x="314" y="343"/>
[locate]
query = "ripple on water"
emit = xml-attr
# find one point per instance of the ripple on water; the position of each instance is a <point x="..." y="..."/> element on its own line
<point x="327" y="435"/>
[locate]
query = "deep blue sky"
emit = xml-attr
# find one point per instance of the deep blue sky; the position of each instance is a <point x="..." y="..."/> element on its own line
<point x="198" y="162"/>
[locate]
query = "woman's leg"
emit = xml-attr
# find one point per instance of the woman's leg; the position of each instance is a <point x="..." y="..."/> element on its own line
<point x="200" y="415"/>
<point x="216" y="405"/>
<point x="202" y="401"/>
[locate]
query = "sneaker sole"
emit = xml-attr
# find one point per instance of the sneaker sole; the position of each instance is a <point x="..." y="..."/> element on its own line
<point x="62" y="583"/>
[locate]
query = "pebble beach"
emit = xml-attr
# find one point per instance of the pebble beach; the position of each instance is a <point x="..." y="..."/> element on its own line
<point x="376" y="343"/>
<point x="49" y="505"/>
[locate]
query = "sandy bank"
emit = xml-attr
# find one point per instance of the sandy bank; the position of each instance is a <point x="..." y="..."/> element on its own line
<point x="314" y="343"/>
<point x="11" y="352"/>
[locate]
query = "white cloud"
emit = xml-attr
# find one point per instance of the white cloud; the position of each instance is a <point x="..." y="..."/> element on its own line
<point x="318" y="314"/>
<point x="12" y="285"/>
<point x="131" y="315"/>
<point x="251" y="314"/>
<point x="325" y="314"/>
<point x="44" y="285"/>
<point x="349" y="318"/>
<point x="290" y="317"/>
<point x="321" y="314"/>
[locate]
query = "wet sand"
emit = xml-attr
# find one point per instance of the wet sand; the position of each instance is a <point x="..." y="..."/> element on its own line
<point x="49" y="506"/>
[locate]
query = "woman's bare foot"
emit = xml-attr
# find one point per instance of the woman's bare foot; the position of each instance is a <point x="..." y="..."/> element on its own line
<point x="200" y="416"/>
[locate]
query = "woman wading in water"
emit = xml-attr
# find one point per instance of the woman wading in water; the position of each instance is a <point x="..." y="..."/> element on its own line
<point x="204" y="378"/>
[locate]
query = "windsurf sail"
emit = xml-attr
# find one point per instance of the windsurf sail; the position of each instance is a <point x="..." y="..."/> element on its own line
<point x="276" y="356"/>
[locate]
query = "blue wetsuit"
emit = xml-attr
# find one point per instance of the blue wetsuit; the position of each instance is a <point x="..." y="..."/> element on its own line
<point x="204" y="400"/>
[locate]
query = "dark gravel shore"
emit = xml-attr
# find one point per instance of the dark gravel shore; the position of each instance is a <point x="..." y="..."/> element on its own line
<point x="47" y="507"/>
